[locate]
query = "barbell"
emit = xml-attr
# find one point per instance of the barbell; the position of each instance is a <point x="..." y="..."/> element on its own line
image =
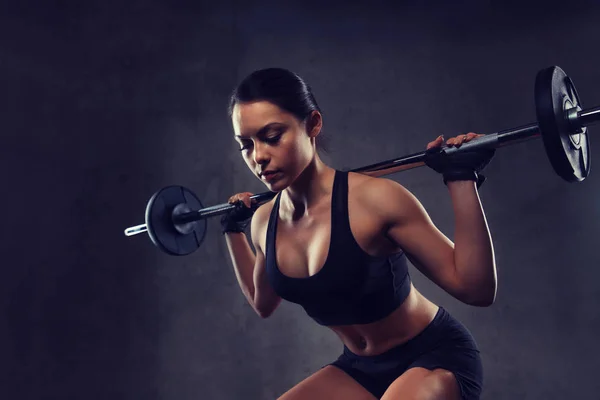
<point x="176" y="219"/>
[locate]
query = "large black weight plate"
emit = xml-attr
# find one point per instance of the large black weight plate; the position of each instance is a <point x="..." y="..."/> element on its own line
<point x="159" y="221"/>
<point x="568" y="147"/>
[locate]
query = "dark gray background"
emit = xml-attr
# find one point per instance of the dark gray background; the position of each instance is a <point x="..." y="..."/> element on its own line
<point x="104" y="103"/>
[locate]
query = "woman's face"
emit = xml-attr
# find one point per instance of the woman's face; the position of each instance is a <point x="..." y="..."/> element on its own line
<point x="274" y="143"/>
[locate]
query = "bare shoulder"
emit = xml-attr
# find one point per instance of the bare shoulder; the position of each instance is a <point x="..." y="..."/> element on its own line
<point x="363" y="182"/>
<point x="382" y="196"/>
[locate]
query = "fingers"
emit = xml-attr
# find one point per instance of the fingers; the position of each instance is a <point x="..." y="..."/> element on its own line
<point x="243" y="197"/>
<point x="436" y="143"/>
<point x="460" y="139"/>
<point x="454" y="141"/>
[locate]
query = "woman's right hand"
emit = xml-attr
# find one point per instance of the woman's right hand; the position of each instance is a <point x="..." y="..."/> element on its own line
<point x="244" y="197"/>
<point x="238" y="218"/>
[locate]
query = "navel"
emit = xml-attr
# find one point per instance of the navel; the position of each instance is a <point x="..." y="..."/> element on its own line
<point x="362" y="343"/>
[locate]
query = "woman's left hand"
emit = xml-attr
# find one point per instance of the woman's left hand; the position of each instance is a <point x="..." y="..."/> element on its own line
<point x="458" y="166"/>
<point x="454" y="141"/>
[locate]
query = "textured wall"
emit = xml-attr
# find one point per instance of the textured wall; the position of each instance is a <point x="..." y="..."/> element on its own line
<point x="103" y="104"/>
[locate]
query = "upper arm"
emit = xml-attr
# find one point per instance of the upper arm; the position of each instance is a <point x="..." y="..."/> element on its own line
<point x="408" y="225"/>
<point x="265" y="298"/>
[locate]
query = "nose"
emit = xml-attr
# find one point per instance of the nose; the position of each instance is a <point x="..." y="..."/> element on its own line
<point x="261" y="155"/>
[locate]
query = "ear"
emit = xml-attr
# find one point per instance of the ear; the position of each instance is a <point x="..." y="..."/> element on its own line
<point x="314" y="124"/>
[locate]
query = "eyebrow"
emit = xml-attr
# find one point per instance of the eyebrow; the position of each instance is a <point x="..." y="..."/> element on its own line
<point x="262" y="130"/>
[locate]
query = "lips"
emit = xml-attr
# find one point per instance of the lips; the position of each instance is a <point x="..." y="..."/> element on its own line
<point x="269" y="176"/>
<point x="266" y="174"/>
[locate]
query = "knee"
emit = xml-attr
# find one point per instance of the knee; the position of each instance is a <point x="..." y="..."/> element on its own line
<point x="439" y="384"/>
<point x="424" y="384"/>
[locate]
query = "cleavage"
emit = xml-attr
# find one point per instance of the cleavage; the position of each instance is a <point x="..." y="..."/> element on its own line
<point x="302" y="247"/>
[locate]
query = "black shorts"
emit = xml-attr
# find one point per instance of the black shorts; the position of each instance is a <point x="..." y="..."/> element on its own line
<point x="444" y="343"/>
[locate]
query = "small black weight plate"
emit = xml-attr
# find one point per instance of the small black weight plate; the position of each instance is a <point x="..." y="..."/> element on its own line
<point x="567" y="146"/>
<point x="159" y="221"/>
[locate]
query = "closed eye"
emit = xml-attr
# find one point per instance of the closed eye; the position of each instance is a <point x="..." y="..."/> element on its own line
<point x="273" y="138"/>
<point x="245" y="145"/>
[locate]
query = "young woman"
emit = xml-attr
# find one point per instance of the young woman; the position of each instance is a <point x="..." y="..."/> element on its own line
<point x="337" y="243"/>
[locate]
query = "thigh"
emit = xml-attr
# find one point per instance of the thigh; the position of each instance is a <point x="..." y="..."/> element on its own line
<point x="329" y="383"/>
<point x="422" y="384"/>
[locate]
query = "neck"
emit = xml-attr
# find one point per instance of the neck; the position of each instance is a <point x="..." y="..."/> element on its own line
<point x="309" y="188"/>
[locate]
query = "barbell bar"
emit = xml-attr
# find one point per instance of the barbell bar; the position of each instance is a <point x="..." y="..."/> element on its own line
<point x="176" y="219"/>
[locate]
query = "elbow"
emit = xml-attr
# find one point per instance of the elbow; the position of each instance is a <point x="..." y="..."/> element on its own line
<point x="483" y="298"/>
<point x="264" y="314"/>
<point x="266" y="309"/>
<point x="257" y="305"/>
<point x="483" y="302"/>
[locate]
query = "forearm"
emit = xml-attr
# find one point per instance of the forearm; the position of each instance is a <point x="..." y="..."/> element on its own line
<point x="473" y="248"/>
<point x="243" y="259"/>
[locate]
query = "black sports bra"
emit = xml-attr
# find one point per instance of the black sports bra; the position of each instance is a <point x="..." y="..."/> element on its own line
<point x="352" y="287"/>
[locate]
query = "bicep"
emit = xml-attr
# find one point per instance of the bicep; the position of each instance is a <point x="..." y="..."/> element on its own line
<point x="265" y="298"/>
